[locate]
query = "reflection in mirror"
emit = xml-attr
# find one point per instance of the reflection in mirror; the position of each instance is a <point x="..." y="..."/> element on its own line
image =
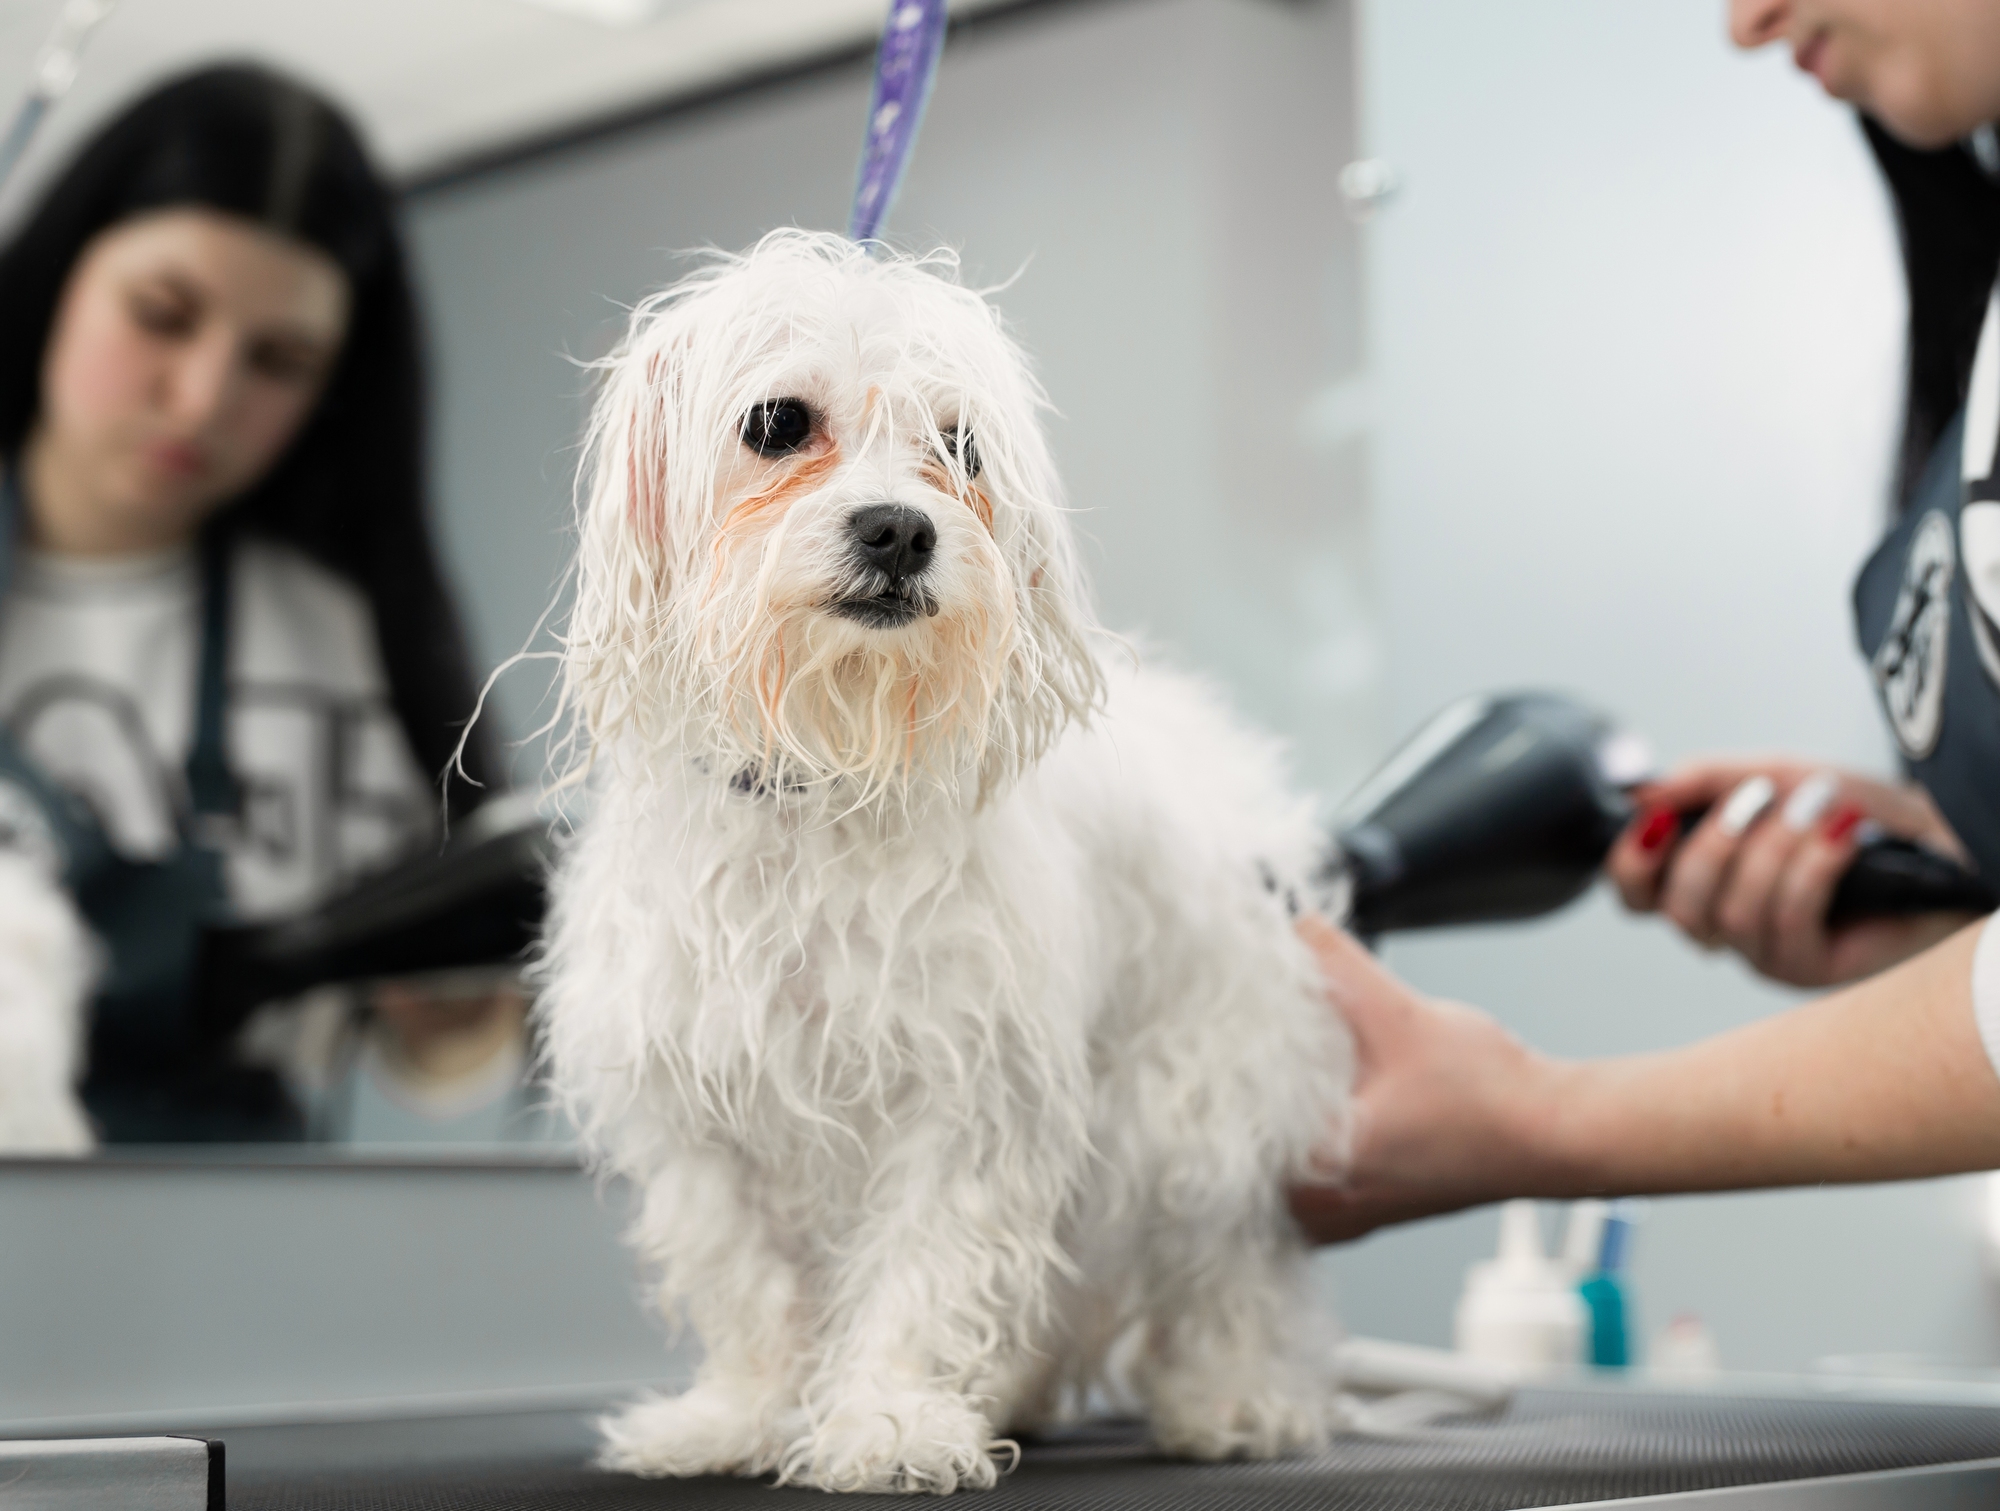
<point x="230" y="667"/>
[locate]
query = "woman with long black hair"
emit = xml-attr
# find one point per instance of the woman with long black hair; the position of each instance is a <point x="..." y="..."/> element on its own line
<point x="231" y="677"/>
<point x="1894" y="1074"/>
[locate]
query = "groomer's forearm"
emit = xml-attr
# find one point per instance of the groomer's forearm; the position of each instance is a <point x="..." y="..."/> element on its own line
<point x="1886" y="1080"/>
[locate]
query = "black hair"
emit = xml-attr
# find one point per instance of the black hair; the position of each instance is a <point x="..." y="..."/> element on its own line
<point x="349" y="491"/>
<point x="1948" y="217"/>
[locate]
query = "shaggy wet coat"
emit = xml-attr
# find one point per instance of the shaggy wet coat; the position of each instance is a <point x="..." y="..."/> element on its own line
<point x="924" y="961"/>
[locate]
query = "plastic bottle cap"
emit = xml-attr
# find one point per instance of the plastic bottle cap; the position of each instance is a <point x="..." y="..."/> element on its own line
<point x="1583" y="1239"/>
<point x="1520" y="1233"/>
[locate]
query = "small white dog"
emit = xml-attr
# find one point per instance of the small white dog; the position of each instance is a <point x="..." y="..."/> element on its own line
<point x="930" y="976"/>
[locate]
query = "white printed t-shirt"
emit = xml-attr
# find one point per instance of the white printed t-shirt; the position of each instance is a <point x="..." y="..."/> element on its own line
<point x="98" y="669"/>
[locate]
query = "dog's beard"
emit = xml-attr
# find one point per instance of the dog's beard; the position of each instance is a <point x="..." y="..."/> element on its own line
<point x="741" y="662"/>
<point x="808" y="698"/>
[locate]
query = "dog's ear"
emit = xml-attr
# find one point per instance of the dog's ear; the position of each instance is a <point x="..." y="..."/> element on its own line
<point x="627" y="548"/>
<point x="1053" y="673"/>
<point x="643" y="413"/>
<point x="1057" y="619"/>
<point x="636" y="447"/>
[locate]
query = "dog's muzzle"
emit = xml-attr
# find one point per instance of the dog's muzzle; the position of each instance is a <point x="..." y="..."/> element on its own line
<point x="892" y="546"/>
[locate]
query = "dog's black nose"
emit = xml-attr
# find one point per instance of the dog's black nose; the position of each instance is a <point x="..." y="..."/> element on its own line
<point x="893" y="538"/>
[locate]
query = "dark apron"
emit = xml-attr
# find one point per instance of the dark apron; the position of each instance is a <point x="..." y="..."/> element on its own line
<point x="153" y="1075"/>
<point x="1932" y="645"/>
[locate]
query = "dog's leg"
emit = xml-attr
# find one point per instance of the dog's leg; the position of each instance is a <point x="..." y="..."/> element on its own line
<point x="743" y="1297"/>
<point x="1235" y="1351"/>
<point x="1232" y="1337"/>
<point x="928" y="1316"/>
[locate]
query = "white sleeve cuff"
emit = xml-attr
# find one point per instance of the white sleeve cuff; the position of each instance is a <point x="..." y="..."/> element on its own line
<point x="1986" y="989"/>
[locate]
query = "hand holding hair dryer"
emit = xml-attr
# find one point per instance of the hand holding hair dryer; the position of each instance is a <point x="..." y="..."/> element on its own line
<point x="1504" y="807"/>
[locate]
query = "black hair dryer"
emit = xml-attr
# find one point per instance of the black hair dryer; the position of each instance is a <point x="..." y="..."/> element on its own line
<point x="1503" y="807"/>
<point x="477" y="902"/>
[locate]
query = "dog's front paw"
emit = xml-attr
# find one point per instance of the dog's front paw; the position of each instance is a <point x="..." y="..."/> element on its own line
<point x="704" y="1430"/>
<point x="906" y="1442"/>
<point x="1193" y="1418"/>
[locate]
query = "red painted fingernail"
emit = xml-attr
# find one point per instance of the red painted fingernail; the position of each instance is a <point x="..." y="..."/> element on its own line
<point x="1842" y="821"/>
<point x="1657" y="827"/>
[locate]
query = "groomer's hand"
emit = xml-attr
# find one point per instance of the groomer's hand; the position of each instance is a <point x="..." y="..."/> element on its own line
<point x="1757" y="874"/>
<point x="1448" y="1111"/>
<point x="451" y="1025"/>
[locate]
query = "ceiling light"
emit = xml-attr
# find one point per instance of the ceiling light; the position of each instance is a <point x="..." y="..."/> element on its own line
<point x="609" y="12"/>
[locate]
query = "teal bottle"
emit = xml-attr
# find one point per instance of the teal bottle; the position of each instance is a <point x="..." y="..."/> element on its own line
<point x="1604" y="1298"/>
<point x="1603" y="1293"/>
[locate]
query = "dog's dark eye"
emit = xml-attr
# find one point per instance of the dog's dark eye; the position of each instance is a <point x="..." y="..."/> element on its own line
<point x="958" y="442"/>
<point x="777" y="427"/>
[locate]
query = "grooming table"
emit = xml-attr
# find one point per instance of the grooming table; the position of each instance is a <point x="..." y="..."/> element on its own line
<point x="1551" y="1447"/>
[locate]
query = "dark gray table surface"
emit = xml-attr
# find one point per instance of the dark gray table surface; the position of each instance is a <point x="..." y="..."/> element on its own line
<point x="1551" y="1447"/>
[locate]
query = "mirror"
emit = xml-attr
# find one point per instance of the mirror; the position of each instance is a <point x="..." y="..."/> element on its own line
<point x="552" y="157"/>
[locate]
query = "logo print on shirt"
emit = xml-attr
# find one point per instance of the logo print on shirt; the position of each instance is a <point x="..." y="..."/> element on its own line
<point x="1910" y="664"/>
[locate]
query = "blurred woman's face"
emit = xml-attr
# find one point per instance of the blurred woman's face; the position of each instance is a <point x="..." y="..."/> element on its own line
<point x="1928" y="70"/>
<point x="187" y="350"/>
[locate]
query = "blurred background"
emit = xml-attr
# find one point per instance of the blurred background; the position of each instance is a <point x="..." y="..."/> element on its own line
<point x="1595" y="392"/>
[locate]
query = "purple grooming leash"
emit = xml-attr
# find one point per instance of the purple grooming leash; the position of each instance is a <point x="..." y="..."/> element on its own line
<point x="904" y="68"/>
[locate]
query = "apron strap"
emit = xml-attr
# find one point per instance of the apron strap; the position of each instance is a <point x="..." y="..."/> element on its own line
<point x="212" y="788"/>
<point x="1979" y="452"/>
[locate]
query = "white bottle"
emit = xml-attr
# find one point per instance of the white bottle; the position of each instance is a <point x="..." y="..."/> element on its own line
<point x="1521" y="1309"/>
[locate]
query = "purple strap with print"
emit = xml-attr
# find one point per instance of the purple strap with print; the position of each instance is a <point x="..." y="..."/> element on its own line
<point x="904" y="69"/>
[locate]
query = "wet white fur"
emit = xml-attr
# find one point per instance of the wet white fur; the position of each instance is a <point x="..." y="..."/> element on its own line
<point x="47" y="962"/>
<point x="932" y="995"/>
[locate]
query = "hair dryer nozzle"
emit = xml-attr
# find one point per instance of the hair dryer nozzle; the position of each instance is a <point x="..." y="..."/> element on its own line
<point x="1499" y="808"/>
